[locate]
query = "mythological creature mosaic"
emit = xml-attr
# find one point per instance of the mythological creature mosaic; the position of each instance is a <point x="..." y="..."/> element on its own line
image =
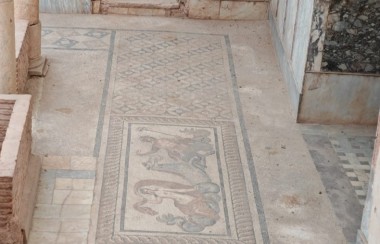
<point x="198" y="200"/>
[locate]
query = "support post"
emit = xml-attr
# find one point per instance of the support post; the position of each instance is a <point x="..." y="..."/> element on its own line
<point x="29" y="10"/>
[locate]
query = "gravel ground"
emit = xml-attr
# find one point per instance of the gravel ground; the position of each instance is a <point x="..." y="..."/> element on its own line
<point x="352" y="42"/>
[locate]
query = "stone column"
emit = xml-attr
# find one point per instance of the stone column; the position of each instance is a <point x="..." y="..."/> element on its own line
<point x="7" y="48"/>
<point x="29" y="10"/>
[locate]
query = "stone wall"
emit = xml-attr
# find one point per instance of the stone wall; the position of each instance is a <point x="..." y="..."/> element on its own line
<point x="352" y="42"/>
<point x="228" y="10"/>
<point x="14" y="163"/>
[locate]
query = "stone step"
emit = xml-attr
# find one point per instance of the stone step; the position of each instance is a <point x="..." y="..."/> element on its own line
<point x="144" y="4"/>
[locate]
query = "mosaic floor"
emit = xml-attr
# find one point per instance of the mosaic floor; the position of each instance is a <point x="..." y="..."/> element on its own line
<point x="164" y="130"/>
<point x="355" y="154"/>
<point x="342" y="155"/>
<point x="172" y="133"/>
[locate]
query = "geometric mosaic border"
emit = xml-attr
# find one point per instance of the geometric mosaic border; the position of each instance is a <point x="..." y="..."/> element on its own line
<point x="355" y="153"/>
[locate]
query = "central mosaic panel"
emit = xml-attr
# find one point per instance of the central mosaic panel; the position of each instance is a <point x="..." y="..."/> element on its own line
<point x="173" y="181"/>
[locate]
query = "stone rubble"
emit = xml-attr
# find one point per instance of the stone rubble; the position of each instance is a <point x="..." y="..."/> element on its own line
<point x="352" y="41"/>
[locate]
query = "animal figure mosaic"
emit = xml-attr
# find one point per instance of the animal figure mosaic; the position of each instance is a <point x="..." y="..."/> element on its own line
<point x="187" y="157"/>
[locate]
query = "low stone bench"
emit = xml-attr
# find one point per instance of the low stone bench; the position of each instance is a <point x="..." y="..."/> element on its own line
<point x="18" y="176"/>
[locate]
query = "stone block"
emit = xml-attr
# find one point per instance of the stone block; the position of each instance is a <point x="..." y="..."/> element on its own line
<point x="236" y="10"/>
<point x="95" y="7"/>
<point x="204" y="9"/>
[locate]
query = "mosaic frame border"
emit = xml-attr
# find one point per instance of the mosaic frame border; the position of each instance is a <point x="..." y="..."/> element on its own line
<point x="111" y="174"/>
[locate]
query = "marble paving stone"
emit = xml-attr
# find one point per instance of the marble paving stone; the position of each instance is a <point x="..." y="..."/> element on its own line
<point x="79" y="197"/>
<point x="83" y="184"/>
<point x="63" y="184"/>
<point x="44" y="197"/>
<point x="56" y="162"/>
<point x="83" y="163"/>
<point x="42" y="237"/>
<point x="77" y="238"/>
<point x="47" y="211"/>
<point x="73" y="226"/>
<point x="48" y="225"/>
<point x="76" y="211"/>
<point x="64" y="200"/>
<point x="60" y="196"/>
<point x="72" y="197"/>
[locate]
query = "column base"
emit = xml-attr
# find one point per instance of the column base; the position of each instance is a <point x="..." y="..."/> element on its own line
<point x="38" y="67"/>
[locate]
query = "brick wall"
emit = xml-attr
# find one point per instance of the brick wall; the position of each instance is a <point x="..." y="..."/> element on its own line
<point x="14" y="162"/>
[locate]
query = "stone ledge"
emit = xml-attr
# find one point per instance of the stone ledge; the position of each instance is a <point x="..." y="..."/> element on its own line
<point x="340" y="98"/>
